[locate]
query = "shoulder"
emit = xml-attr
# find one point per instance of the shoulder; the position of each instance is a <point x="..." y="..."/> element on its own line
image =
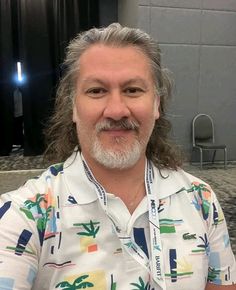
<point x="38" y="185"/>
<point x="191" y="192"/>
<point x="172" y="182"/>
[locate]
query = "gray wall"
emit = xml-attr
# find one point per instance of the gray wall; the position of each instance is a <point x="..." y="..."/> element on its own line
<point x="198" y="41"/>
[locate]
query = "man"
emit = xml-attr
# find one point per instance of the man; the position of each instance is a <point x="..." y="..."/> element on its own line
<point x="119" y="213"/>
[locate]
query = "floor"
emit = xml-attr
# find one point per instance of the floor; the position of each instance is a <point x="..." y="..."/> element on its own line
<point x="16" y="169"/>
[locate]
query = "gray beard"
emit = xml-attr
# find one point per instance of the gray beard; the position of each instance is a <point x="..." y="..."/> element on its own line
<point x="122" y="159"/>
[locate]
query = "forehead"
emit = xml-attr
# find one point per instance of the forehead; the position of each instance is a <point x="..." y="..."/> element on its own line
<point x="126" y="59"/>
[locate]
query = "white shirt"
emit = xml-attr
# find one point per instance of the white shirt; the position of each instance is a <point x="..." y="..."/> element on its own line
<point x="56" y="235"/>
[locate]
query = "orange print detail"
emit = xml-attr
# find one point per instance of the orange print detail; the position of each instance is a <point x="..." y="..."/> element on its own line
<point x="92" y="248"/>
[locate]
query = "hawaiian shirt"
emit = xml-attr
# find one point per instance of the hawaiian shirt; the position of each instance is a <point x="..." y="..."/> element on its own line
<point x="54" y="234"/>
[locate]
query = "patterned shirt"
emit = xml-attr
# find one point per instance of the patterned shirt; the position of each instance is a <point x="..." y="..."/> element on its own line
<point x="54" y="234"/>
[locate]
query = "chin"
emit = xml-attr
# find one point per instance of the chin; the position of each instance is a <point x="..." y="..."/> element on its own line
<point x="117" y="159"/>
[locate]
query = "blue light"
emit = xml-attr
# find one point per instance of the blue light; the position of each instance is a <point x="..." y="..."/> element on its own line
<point x="19" y="78"/>
<point x="19" y="72"/>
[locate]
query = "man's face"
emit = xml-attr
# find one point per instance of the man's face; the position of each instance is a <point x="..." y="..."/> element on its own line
<point x="115" y="105"/>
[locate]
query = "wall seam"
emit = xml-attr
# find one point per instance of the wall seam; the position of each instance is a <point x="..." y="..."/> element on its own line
<point x="191" y="8"/>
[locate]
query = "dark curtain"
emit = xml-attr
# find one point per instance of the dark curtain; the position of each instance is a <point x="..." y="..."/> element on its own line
<point x="40" y="31"/>
<point x="46" y="28"/>
<point x="6" y="77"/>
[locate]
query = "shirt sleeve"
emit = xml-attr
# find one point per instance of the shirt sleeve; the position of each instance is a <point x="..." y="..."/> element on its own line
<point x="222" y="265"/>
<point x="19" y="238"/>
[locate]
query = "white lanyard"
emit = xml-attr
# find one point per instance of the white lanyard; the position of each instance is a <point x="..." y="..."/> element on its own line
<point x="155" y="265"/>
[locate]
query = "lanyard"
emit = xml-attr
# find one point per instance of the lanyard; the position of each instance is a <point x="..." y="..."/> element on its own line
<point x="155" y="265"/>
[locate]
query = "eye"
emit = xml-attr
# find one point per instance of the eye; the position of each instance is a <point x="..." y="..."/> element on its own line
<point x="96" y="92"/>
<point x="134" y="91"/>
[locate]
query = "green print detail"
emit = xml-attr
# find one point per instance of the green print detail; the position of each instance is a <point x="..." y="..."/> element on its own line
<point x="37" y="210"/>
<point x="113" y="284"/>
<point x="42" y="214"/>
<point x="179" y="274"/>
<point x="198" y="251"/>
<point x="129" y="244"/>
<point x="167" y="226"/>
<point x="41" y="223"/>
<point x="204" y="247"/>
<point x="199" y="187"/>
<point x="20" y="250"/>
<point x="178" y="267"/>
<point x="188" y="236"/>
<point x="77" y="284"/>
<point x="38" y="199"/>
<point x="28" y="213"/>
<point x="90" y="229"/>
<point x="141" y="285"/>
<point x="212" y="274"/>
<point x="202" y="201"/>
<point x="56" y="168"/>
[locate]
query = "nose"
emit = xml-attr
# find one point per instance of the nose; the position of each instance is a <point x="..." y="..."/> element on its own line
<point x="116" y="107"/>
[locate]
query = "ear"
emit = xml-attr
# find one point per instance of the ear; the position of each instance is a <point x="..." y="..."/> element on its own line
<point x="156" y="107"/>
<point x="75" y="114"/>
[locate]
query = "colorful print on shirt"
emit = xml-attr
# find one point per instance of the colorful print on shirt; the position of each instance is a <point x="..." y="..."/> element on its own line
<point x="54" y="232"/>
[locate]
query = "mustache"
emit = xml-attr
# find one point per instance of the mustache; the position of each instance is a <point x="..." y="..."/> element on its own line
<point x="123" y="124"/>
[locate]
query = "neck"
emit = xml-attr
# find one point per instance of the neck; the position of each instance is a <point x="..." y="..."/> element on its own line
<point x="127" y="184"/>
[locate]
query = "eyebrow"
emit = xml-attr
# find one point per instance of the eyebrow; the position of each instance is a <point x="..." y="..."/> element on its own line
<point x="135" y="80"/>
<point x="125" y="83"/>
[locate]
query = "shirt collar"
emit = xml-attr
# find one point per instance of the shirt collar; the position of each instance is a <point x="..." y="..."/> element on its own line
<point x="76" y="180"/>
<point x="166" y="182"/>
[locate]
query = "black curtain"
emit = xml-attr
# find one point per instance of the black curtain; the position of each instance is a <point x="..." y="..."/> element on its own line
<point x="6" y="77"/>
<point x="38" y="31"/>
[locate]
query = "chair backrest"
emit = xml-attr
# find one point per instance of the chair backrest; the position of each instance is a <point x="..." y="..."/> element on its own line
<point x="202" y="129"/>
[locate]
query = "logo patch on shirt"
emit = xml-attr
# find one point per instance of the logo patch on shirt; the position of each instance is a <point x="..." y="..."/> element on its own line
<point x="188" y="236"/>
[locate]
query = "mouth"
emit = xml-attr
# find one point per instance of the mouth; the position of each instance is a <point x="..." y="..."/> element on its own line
<point x="118" y="132"/>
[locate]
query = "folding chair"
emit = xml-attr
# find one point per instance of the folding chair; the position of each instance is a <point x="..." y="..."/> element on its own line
<point x="203" y="137"/>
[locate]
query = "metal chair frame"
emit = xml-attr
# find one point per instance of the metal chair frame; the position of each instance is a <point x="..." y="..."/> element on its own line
<point x="208" y="147"/>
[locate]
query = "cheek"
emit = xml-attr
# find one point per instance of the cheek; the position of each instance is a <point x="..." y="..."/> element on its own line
<point x="85" y="119"/>
<point x="79" y="115"/>
<point x="149" y="113"/>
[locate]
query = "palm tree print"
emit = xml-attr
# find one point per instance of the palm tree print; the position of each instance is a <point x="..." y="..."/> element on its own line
<point x="205" y="245"/>
<point x="203" y="192"/>
<point x="212" y="274"/>
<point x="38" y="199"/>
<point x="195" y="202"/>
<point x="34" y="211"/>
<point x="77" y="284"/>
<point x="90" y="229"/>
<point x="141" y="285"/>
<point x="201" y="202"/>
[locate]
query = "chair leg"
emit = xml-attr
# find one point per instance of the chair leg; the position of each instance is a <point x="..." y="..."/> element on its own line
<point x="200" y="158"/>
<point x="213" y="157"/>
<point x="225" y="157"/>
